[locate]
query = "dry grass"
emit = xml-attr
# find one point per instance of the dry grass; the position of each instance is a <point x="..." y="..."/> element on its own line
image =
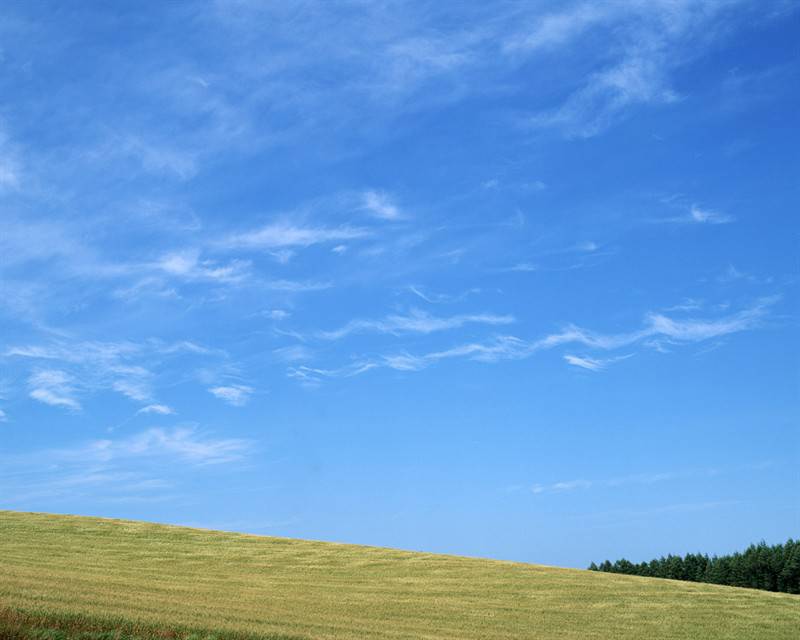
<point x="160" y="577"/>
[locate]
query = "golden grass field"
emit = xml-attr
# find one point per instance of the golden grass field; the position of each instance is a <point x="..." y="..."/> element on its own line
<point x="71" y="572"/>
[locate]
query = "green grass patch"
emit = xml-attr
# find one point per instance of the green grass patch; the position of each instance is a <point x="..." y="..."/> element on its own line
<point x="32" y="625"/>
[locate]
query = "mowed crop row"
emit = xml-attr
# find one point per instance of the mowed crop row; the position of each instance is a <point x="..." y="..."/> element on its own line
<point x="161" y="577"/>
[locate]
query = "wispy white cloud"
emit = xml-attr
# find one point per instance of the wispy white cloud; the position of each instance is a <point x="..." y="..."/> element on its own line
<point x="188" y="265"/>
<point x="660" y="325"/>
<point x="732" y="274"/>
<point x="184" y="347"/>
<point x="499" y="348"/>
<point x="276" y="314"/>
<point x="236" y="395"/>
<point x="556" y="29"/>
<point x="410" y="62"/>
<point x="9" y="174"/>
<point x="313" y="376"/>
<point x="294" y="353"/>
<point x="73" y="352"/>
<point x="285" y="234"/>
<point x="592" y="364"/>
<point x="414" y="322"/>
<point x="534" y="185"/>
<point x="54" y="398"/>
<point x="136" y="468"/>
<point x="698" y="215"/>
<point x="517" y="185"/>
<point x="587" y="246"/>
<point x="567" y="485"/>
<point x="657" y="326"/>
<point x="577" y="256"/>
<point x="154" y="287"/>
<point x="167" y="273"/>
<point x="3" y="416"/>
<point x="135" y="389"/>
<point x="659" y="476"/>
<point x="688" y="304"/>
<point x="54" y="387"/>
<point x="380" y="205"/>
<point x="585" y="362"/>
<point x="63" y="368"/>
<point x="646" y="42"/>
<point x="160" y="158"/>
<point x="708" y="216"/>
<point x="607" y="95"/>
<point x="625" y="481"/>
<point x="133" y="381"/>
<point x="694" y="330"/>
<point x="182" y="442"/>
<point x="524" y="267"/>
<point x="441" y="298"/>
<point x="160" y="409"/>
<point x="295" y="286"/>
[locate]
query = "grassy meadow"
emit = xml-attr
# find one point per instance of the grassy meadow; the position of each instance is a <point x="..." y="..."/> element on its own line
<point x="96" y="579"/>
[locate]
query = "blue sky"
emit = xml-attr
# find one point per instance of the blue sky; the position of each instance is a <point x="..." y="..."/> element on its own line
<point x="512" y="279"/>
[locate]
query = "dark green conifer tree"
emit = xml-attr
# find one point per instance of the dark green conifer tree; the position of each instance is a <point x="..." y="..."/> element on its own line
<point x="760" y="566"/>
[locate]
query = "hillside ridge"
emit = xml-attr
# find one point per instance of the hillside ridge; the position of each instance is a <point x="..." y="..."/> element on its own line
<point x="156" y="576"/>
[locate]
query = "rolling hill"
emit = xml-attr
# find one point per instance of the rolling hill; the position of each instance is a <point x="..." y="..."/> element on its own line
<point x="78" y="577"/>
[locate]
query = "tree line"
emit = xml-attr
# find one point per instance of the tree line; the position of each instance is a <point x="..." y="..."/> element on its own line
<point x="760" y="566"/>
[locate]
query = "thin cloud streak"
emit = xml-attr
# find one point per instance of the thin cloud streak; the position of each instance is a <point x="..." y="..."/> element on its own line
<point x="592" y="364"/>
<point x="707" y="216"/>
<point x="282" y="235"/>
<point x="380" y="205"/>
<point x="556" y="487"/>
<point x="187" y="265"/>
<point x="181" y="442"/>
<point x="414" y="322"/>
<point x="657" y="327"/>
<point x="235" y="395"/>
<point x="624" y="481"/>
<point x="441" y="298"/>
<point x="159" y="409"/>
<point x="698" y="215"/>
<point x="55" y="388"/>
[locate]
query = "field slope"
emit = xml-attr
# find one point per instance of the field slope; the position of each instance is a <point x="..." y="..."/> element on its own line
<point x="60" y="568"/>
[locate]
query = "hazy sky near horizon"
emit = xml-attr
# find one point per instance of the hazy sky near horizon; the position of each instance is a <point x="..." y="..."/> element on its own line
<point x="508" y="279"/>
